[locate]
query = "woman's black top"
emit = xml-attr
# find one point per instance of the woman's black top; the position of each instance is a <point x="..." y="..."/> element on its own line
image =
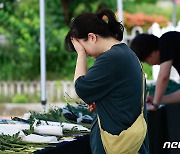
<point x="114" y="83"/>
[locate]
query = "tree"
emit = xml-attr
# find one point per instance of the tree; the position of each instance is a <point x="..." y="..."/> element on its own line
<point x="19" y="20"/>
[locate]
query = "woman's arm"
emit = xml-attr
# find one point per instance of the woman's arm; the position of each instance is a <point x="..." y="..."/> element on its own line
<point x="162" y="81"/>
<point x="171" y="98"/>
<point x="166" y="99"/>
<point x="80" y="66"/>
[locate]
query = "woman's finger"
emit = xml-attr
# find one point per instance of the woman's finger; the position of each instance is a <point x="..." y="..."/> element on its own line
<point x="77" y="45"/>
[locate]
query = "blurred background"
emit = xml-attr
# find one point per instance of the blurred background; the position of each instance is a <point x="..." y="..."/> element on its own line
<point x="20" y="42"/>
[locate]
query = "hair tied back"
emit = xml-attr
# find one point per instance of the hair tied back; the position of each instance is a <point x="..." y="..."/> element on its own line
<point x="114" y="26"/>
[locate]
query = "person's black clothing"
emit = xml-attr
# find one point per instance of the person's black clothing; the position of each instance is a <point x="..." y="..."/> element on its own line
<point x="169" y="47"/>
<point x="114" y="83"/>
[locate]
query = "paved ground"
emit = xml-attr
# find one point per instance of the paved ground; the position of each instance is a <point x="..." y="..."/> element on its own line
<point x="8" y="110"/>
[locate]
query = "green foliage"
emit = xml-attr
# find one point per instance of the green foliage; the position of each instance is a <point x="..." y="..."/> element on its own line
<point x="178" y="12"/>
<point x="171" y="87"/>
<point x="148" y="71"/>
<point x="143" y="1"/>
<point x="55" y="115"/>
<point x="20" y="25"/>
<point x="150" y="9"/>
<point x="4" y="99"/>
<point x="14" y="144"/>
<point x="20" y="57"/>
<point x="20" y="98"/>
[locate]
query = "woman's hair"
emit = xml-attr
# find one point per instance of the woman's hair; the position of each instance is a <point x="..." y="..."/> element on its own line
<point x="144" y="44"/>
<point x="94" y="23"/>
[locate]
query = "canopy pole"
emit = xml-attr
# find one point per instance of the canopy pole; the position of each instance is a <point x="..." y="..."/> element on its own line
<point x="174" y="13"/>
<point x="120" y="10"/>
<point x="42" y="53"/>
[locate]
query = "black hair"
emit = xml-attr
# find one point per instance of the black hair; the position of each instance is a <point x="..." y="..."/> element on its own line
<point x="144" y="44"/>
<point x="94" y="23"/>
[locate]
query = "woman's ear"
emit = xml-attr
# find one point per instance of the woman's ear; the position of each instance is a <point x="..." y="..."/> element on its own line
<point x="92" y="37"/>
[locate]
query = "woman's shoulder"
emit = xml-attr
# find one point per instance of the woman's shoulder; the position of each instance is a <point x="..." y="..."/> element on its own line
<point x="117" y="54"/>
<point x="118" y="51"/>
<point x="115" y="48"/>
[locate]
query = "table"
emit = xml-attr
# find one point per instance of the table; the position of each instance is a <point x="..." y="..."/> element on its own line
<point x="79" y="146"/>
<point x="163" y="126"/>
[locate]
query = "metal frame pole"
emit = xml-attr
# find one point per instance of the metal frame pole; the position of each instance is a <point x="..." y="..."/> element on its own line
<point x="43" y="52"/>
<point x="174" y="13"/>
<point x="120" y="10"/>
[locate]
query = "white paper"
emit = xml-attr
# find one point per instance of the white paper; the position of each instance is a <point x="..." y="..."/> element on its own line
<point x="49" y="130"/>
<point x="40" y="139"/>
<point x="11" y="129"/>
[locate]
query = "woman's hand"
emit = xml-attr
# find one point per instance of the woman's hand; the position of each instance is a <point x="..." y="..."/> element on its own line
<point x="78" y="46"/>
<point x="149" y="106"/>
<point x="92" y="107"/>
<point x="149" y="99"/>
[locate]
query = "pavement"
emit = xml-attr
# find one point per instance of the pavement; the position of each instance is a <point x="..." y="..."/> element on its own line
<point x="8" y="110"/>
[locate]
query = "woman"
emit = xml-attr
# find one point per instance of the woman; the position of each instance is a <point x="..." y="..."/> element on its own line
<point x="114" y="82"/>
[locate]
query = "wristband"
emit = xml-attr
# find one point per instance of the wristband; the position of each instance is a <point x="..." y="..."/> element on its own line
<point x="155" y="105"/>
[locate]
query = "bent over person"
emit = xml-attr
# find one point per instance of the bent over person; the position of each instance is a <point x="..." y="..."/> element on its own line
<point x="114" y="83"/>
<point x="164" y="51"/>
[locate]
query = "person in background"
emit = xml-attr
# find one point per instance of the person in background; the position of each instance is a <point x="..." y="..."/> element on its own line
<point x="114" y="83"/>
<point x="163" y="51"/>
